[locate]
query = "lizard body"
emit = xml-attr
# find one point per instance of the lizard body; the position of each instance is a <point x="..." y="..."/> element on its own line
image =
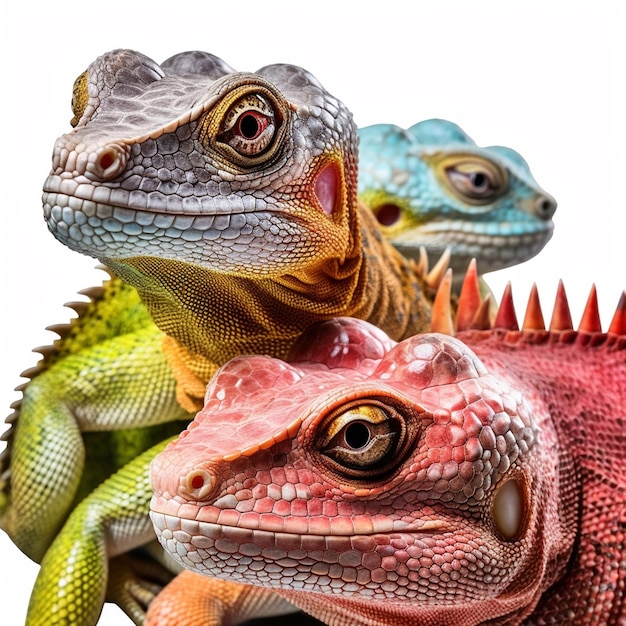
<point x="231" y="252"/>
<point x="431" y="185"/>
<point x="227" y="203"/>
<point x="439" y="480"/>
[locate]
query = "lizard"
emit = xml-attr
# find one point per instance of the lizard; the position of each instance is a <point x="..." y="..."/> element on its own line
<point x="225" y="205"/>
<point x="115" y="336"/>
<point x="430" y="185"/>
<point x="468" y="479"/>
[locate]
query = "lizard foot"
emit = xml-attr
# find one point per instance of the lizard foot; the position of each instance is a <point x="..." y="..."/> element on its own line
<point x="135" y="579"/>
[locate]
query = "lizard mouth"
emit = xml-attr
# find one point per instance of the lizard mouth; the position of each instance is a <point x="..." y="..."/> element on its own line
<point x="111" y="222"/>
<point x="494" y="247"/>
<point x="210" y="547"/>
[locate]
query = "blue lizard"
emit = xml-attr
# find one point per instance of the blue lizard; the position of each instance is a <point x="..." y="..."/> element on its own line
<point x="432" y="186"/>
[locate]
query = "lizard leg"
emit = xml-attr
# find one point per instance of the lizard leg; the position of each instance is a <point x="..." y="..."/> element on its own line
<point x="135" y="579"/>
<point x="195" y="600"/>
<point x="118" y="385"/>
<point x="72" y="582"/>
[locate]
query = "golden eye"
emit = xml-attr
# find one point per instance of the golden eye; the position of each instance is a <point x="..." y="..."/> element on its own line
<point x="362" y="439"/>
<point x="80" y="97"/>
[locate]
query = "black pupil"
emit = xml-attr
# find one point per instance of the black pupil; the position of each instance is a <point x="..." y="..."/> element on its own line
<point x="357" y="435"/>
<point x="479" y="180"/>
<point x="249" y="126"/>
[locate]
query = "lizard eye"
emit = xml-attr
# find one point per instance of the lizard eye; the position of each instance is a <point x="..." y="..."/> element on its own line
<point x="363" y="439"/>
<point x="249" y="126"/>
<point x="475" y="183"/>
<point x="245" y="129"/>
<point x="472" y="179"/>
<point x="80" y="97"/>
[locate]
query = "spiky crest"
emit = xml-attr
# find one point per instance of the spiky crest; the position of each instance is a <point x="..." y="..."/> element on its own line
<point x="473" y="314"/>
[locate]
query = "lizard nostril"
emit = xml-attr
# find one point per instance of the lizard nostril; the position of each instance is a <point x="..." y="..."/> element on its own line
<point x="197" y="484"/>
<point x="109" y="162"/>
<point x="545" y="207"/>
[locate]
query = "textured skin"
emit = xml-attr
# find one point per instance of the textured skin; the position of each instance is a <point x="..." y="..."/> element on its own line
<point x="491" y="489"/>
<point x="227" y="201"/>
<point x="432" y="186"/>
<point x="167" y="189"/>
<point x="77" y="424"/>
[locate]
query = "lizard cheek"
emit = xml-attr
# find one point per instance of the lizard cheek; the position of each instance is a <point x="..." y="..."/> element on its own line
<point x="509" y="509"/>
<point x="327" y="188"/>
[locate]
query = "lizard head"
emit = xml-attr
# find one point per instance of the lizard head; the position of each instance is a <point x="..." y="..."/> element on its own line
<point x="405" y="474"/>
<point x="193" y="161"/>
<point x="432" y="186"/>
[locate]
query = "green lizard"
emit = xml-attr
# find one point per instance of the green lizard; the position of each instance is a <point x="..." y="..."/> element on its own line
<point x="231" y="209"/>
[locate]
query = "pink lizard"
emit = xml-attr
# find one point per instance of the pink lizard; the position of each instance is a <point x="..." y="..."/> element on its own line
<point x="476" y="479"/>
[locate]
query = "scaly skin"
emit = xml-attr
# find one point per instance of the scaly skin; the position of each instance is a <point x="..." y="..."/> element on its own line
<point x="435" y="481"/>
<point x="227" y="201"/>
<point x="74" y="430"/>
<point x="432" y="186"/>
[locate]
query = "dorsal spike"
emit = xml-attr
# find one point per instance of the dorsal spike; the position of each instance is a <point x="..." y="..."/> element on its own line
<point x="59" y="329"/>
<point x="441" y="320"/>
<point x="77" y="306"/>
<point x="506" y="317"/>
<point x="436" y="275"/>
<point x="533" y="319"/>
<point x="618" y="323"/>
<point x="422" y="262"/>
<point x="590" y="321"/>
<point x="469" y="298"/>
<point x="561" y="316"/>
<point x="482" y="319"/>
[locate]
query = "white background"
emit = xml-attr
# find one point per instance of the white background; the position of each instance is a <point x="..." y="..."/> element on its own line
<point x="548" y="79"/>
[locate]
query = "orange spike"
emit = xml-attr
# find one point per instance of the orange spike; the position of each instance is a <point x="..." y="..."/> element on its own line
<point x="590" y="321"/>
<point x="469" y="298"/>
<point x="561" y="316"/>
<point x="436" y="275"/>
<point x="533" y="320"/>
<point x="506" y="317"/>
<point x="482" y="319"/>
<point x="618" y="323"/>
<point x="441" y="320"/>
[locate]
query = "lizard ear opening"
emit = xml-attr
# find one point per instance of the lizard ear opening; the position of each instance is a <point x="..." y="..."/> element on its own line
<point x="509" y="509"/>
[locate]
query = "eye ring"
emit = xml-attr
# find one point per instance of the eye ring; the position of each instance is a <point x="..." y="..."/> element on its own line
<point x="474" y="183"/>
<point x="246" y="128"/>
<point x="365" y="439"/>
<point x="470" y="178"/>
